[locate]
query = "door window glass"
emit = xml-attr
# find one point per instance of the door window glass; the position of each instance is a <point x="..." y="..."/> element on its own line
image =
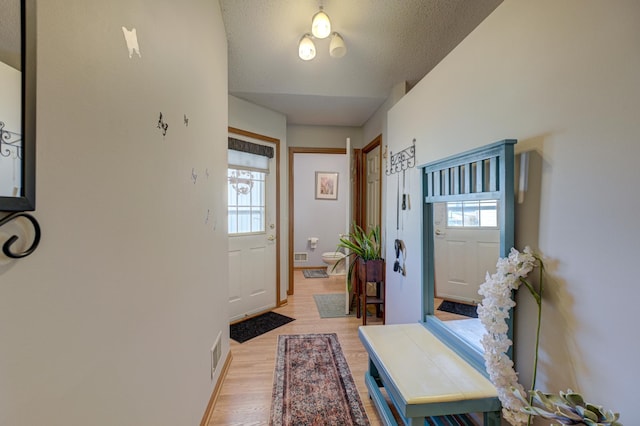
<point x="246" y="201"/>
<point x="472" y="214"/>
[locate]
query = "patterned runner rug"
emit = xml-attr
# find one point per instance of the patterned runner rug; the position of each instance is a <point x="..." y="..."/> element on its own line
<point x="313" y="383"/>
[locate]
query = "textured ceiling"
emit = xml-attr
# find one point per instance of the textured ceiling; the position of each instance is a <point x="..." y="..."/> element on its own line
<point x="388" y="42"/>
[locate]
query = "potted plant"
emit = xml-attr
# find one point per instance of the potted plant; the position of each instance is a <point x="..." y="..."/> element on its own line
<point x="365" y="250"/>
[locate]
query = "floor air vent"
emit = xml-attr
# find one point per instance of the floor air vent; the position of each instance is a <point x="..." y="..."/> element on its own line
<point x="300" y="257"/>
<point x="216" y="354"/>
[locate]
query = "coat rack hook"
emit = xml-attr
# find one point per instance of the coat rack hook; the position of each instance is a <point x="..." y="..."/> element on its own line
<point x="6" y="247"/>
<point x="402" y="160"/>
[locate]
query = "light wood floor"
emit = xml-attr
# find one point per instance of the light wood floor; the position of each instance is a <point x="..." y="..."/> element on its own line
<point x="245" y="395"/>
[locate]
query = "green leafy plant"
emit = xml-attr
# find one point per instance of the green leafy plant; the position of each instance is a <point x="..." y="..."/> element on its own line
<point x="360" y="245"/>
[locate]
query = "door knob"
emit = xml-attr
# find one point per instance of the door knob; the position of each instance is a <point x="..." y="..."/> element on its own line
<point x="271" y="238"/>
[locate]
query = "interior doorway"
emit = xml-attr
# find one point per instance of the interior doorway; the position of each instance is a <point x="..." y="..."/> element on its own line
<point x="366" y="189"/>
<point x="293" y="152"/>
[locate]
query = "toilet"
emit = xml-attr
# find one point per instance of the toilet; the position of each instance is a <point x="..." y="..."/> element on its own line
<point x="333" y="257"/>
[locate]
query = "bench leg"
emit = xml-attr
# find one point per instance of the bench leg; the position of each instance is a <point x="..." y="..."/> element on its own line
<point x="492" y="418"/>
<point x="373" y="372"/>
<point x="379" y="401"/>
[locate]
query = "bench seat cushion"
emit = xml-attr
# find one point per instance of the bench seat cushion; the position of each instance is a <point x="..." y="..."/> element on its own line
<point x="423" y="368"/>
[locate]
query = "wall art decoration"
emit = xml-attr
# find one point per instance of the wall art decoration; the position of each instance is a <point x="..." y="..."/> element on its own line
<point x="194" y="175"/>
<point x="326" y="185"/>
<point x="132" y="41"/>
<point x="162" y="125"/>
<point x="186" y="120"/>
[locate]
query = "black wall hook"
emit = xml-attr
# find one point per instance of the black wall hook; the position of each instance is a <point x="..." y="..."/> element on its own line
<point x="402" y="160"/>
<point x="6" y="247"/>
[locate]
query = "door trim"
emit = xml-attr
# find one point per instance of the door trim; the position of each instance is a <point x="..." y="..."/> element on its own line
<point x="276" y="142"/>
<point x="357" y="189"/>
<point x="292" y="151"/>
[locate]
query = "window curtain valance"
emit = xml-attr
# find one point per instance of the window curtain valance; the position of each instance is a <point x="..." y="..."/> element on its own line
<point x="250" y="147"/>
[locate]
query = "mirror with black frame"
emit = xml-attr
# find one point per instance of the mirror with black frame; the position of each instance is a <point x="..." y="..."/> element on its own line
<point x="17" y="105"/>
<point x="468" y="222"/>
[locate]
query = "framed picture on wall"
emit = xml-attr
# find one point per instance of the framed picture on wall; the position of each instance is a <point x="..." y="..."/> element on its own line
<point x="326" y="185"/>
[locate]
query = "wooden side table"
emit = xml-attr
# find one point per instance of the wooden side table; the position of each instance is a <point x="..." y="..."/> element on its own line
<point x="371" y="271"/>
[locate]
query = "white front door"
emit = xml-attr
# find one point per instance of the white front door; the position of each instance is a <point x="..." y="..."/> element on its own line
<point x="463" y="256"/>
<point x="252" y="239"/>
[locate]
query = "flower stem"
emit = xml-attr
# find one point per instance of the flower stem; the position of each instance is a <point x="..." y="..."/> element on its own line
<point x="535" y="359"/>
<point x="532" y="290"/>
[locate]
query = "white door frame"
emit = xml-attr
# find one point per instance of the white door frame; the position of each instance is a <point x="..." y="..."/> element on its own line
<point x="276" y="142"/>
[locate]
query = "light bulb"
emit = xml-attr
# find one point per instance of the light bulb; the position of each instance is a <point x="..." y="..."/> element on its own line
<point x="320" y="25"/>
<point x="306" y="48"/>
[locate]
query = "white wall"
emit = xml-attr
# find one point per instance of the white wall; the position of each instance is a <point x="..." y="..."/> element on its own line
<point x="323" y="219"/>
<point x="256" y="119"/>
<point x="111" y="320"/>
<point x="377" y="123"/>
<point x="324" y="136"/>
<point x="562" y="78"/>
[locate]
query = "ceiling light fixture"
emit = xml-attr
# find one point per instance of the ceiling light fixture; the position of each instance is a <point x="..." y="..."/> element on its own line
<point x="306" y="48"/>
<point x="337" y="48"/>
<point x="320" y="25"/>
<point x="320" y="29"/>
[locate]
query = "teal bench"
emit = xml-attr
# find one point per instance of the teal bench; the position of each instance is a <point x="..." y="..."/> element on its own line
<point x="423" y="377"/>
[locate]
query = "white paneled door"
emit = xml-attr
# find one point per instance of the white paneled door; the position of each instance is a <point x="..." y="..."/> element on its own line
<point x="252" y="238"/>
<point x="463" y="256"/>
<point x="373" y="179"/>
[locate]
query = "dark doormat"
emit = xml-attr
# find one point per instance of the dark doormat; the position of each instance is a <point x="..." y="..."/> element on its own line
<point x="254" y="327"/>
<point x="315" y="273"/>
<point x="459" y="308"/>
